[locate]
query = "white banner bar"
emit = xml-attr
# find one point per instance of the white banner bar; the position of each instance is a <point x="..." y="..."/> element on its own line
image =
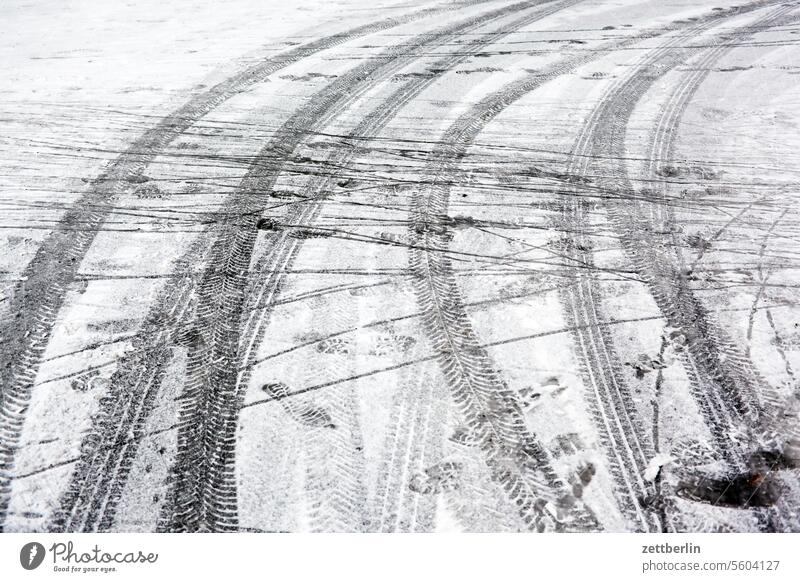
<point x="332" y="557"/>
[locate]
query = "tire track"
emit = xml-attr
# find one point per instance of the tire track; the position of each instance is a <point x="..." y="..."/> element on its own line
<point x="266" y="288"/>
<point x="519" y="462"/>
<point x="335" y="465"/>
<point x="36" y="301"/>
<point x="119" y="425"/>
<point x="395" y="507"/>
<point x="123" y="412"/>
<point x="205" y="495"/>
<point x="603" y="140"/>
<point x="717" y="358"/>
<point x="729" y="391"/>
<point x="489" y="408"/>
<point x="628" y="445"/>
<point x="136" y="408"/>
<point x="652" y="258"/>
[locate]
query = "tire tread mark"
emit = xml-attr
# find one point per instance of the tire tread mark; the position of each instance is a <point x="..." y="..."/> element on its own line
<point x="205" y="495"/>
<point x="55" y="265"/>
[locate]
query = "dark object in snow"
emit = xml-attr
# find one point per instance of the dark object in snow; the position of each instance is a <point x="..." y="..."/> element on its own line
<point x="750" y="489"/>
<point x="644" y="364"/>
<point x="266" y="224"/>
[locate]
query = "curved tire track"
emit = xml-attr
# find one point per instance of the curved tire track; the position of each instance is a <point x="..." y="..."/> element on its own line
<point x="35" y="303"/>
<point x="287" y="248"/>
<point x="601" y="140"/>
<point x="477" y="387"/>
<point x="205" y="493"/>
<point x="728" y="390"/>
<point x="124" y="410"/>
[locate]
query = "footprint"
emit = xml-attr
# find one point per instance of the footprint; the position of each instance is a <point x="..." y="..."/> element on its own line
<point x="392" y="343"/>
<point x="550" y="387"/>
<point x="438" y="478"/>
<point x="299" y="409"/>
<point x="566" y="444"/>
<point x="581" y="479"/>
<point x="334" y="345"/>
<point x="467" y="437"/>
<point x="88" y="381"/>
<point x="148" y="192"/>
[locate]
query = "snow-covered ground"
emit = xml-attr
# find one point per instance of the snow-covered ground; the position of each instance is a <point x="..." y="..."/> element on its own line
<point x="408" y="266"/>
